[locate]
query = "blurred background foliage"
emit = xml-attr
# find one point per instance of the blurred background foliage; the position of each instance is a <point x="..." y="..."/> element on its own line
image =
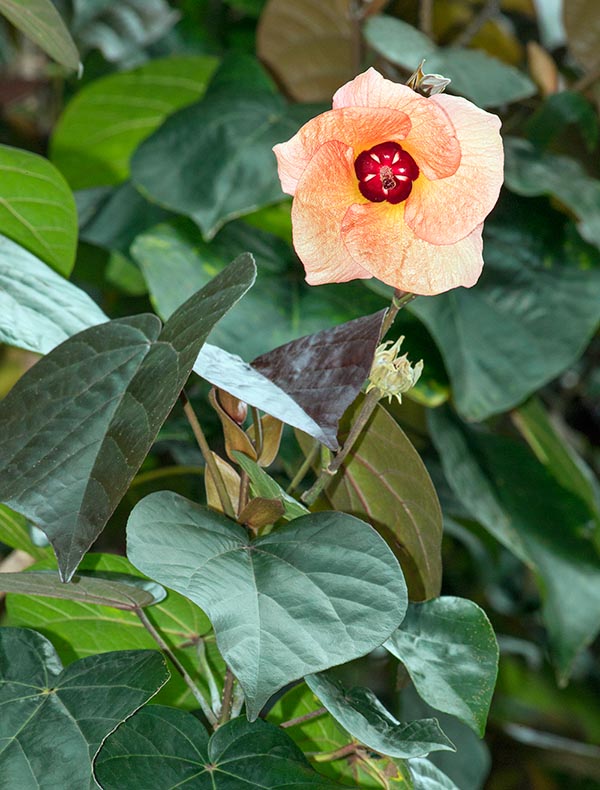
<point x="165" y="140"/>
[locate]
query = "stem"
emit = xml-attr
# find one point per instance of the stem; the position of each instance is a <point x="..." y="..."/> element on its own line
<point x="329" y="757"/>
<point x="399" y="300"/>
<point x="198" y="695"/>
<point x="207" y="455"/>
<point x="244" y="486"/>
<point x="215" y="696"/>
<point x="426" y="17"/>
<point x="238" y="701"/>
<point x="301" y="719"/>
<point x="303" y="470"/>
<point x="227" y="697"/>
<point x="168" y="471"/>
<point x="490" y="9"/>
<point x="258" y="430"/>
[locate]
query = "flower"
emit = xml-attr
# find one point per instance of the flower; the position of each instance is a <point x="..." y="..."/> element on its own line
<point x="392" y="374"/>
<point x="393" y="185"/>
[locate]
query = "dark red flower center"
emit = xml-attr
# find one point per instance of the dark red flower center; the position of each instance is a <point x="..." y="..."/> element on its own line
<point x="386" y="172"/>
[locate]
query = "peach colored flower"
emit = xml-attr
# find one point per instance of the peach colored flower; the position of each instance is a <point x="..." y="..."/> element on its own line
<point x="393" y="185"/>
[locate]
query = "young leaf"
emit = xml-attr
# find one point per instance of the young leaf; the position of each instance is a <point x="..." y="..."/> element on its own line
<point x="316" y="593"/>
<point x="39" y="309"/>
<point x="164" y="747"/>
<point x="120" y="380"/>
<point x="105" y="122"/>
<point x="54" y="720"/>
<point x="41" y="22"/>
<point x="360" y="712"/>
<point x="263" y="485"/>
<point x="450" y="651"/>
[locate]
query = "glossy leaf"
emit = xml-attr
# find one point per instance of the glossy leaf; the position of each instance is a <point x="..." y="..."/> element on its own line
<point x="316" y="593"/>
<point x="263" y="485"/>
<point x="450" y="651"/>
<point x="54" y="720"/>
<point x="69" y="387"/>
<point x="533" y="312"/>
<point x="39" y="309"/>
<point x="494" y="477"/>
<point x="426" y="776"/>
<point x="164" y="747"/>
<point x="360" y="712"/>
<point x="14" y="532"/>
<point x="239" y="120"/>
<point x="37" y="208"/>
<point x="385" y="482"/>
<point x="80" y="629"/>
<point x="41" y="22"/>
<point x="106" y="121"/>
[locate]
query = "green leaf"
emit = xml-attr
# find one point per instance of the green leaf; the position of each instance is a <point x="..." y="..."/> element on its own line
<point x="41" y="22"/>
<point x="559" y="111"/>
<point x="37" y="209"/>
<point x="213" y="161"/>
<point x="116" y="590"/>
<point x="39" y="309"/>
<point x="316" y="593"/>
<point x="79" y="629"/>
<point x="168" y="748"/>
<point x="517" y="500"/>
<point x="450" y="651"/>
<point x="360" y="712"/>
<point x="120" y="380"/>
<point x="529" y="172"/>
<point x="530" y="316"/>
<point x="106" y="121"/>
<point x="14" y="532"/>
<point x="385" y="482"/>
<point x="54" y="720"/>
<point x="263" y="485"/>
<point x="483" y="79"/>
<point x="426" y="776"/>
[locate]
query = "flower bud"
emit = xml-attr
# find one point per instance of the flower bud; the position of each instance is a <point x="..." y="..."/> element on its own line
<point x="392" y="374"/>
<point x="427" y="84"/>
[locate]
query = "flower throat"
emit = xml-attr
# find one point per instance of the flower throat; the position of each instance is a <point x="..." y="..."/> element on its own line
<point x="386" y="172"/>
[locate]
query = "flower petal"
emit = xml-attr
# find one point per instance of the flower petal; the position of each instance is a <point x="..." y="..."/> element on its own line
<point x="432" y="141"/>
<point x="358" y="127"/>
<point x="377" y="237"/>
<point x="327" y="187"/>
<point x="446" y="210"/>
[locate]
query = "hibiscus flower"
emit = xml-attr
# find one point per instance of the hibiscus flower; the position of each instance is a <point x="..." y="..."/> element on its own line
<point x="393" y="185"/>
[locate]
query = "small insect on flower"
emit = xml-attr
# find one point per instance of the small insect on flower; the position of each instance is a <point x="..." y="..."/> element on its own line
<point x="392" y="374"/>
<point x="394" y="185"/>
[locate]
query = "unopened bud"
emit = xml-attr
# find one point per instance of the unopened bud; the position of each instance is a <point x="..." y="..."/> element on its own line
<point x="427" y="84"/>
<point x="392" y="374"/>
<point x="233" y="407"/>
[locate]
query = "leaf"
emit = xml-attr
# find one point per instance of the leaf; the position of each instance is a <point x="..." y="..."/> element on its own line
<point x="530" y="317"/>
<point x="583" y="32"/>
<point x="105" y="122"/>
<point x="450" y="651"/>
<point x="308" y="45"/>
<point x="14" y="532"/>
<point x="316" y="593"/>
<point x="79" y="629"/>
<point x="117" y="591"/>
<point x="360" y="712"/>
<point x="41" y="22"/>
<point x="385" y="482"/>
<point x="558" y="112"/>
<point x="37" y="209"/>
<point x="324" y="372"/>
<point x="54" y="720"/>
<point x="495" y="479"/>
<point x="39" y="309"/>
<point x="120" y="380"/>
<point x="226" y="168"/>
<point x="262" y="485"/>
<point x="483" y="79"/>
<point x="530" y="172"/>
<point x="426" y="776"/>
<point x="164" y="747"/>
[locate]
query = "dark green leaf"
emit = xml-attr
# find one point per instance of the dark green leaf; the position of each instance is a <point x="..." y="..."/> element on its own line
<point x="226" y="168"/>
<point x="530" y="316"/>
<point x="316" y="593"/>
<point x="167" y="748"/>
<point x="120" y="380"/>
<point x="106" y="121"/>
<point x="54" y="720"/>
<point x="559" y="111"/>
<point x="518" y="501"/>
<point x="38" y="308"/>
<point x="450" y="651"/>
<point x="360" y="712"/>
<point x="263" y="485"/>
<point x="41" y="22"/>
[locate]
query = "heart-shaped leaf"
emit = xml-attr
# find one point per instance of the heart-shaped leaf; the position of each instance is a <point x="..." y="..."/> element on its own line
<point x="360" y="712"/>
<point x="41" y="22"/>
<point x="38" y="308"/>
<point x="316" y="593"/>
<point x="119" y="382"/>
<point x="53" y="720"/>
<point x="164" y="747"/>
<point x="450" y="651"/>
